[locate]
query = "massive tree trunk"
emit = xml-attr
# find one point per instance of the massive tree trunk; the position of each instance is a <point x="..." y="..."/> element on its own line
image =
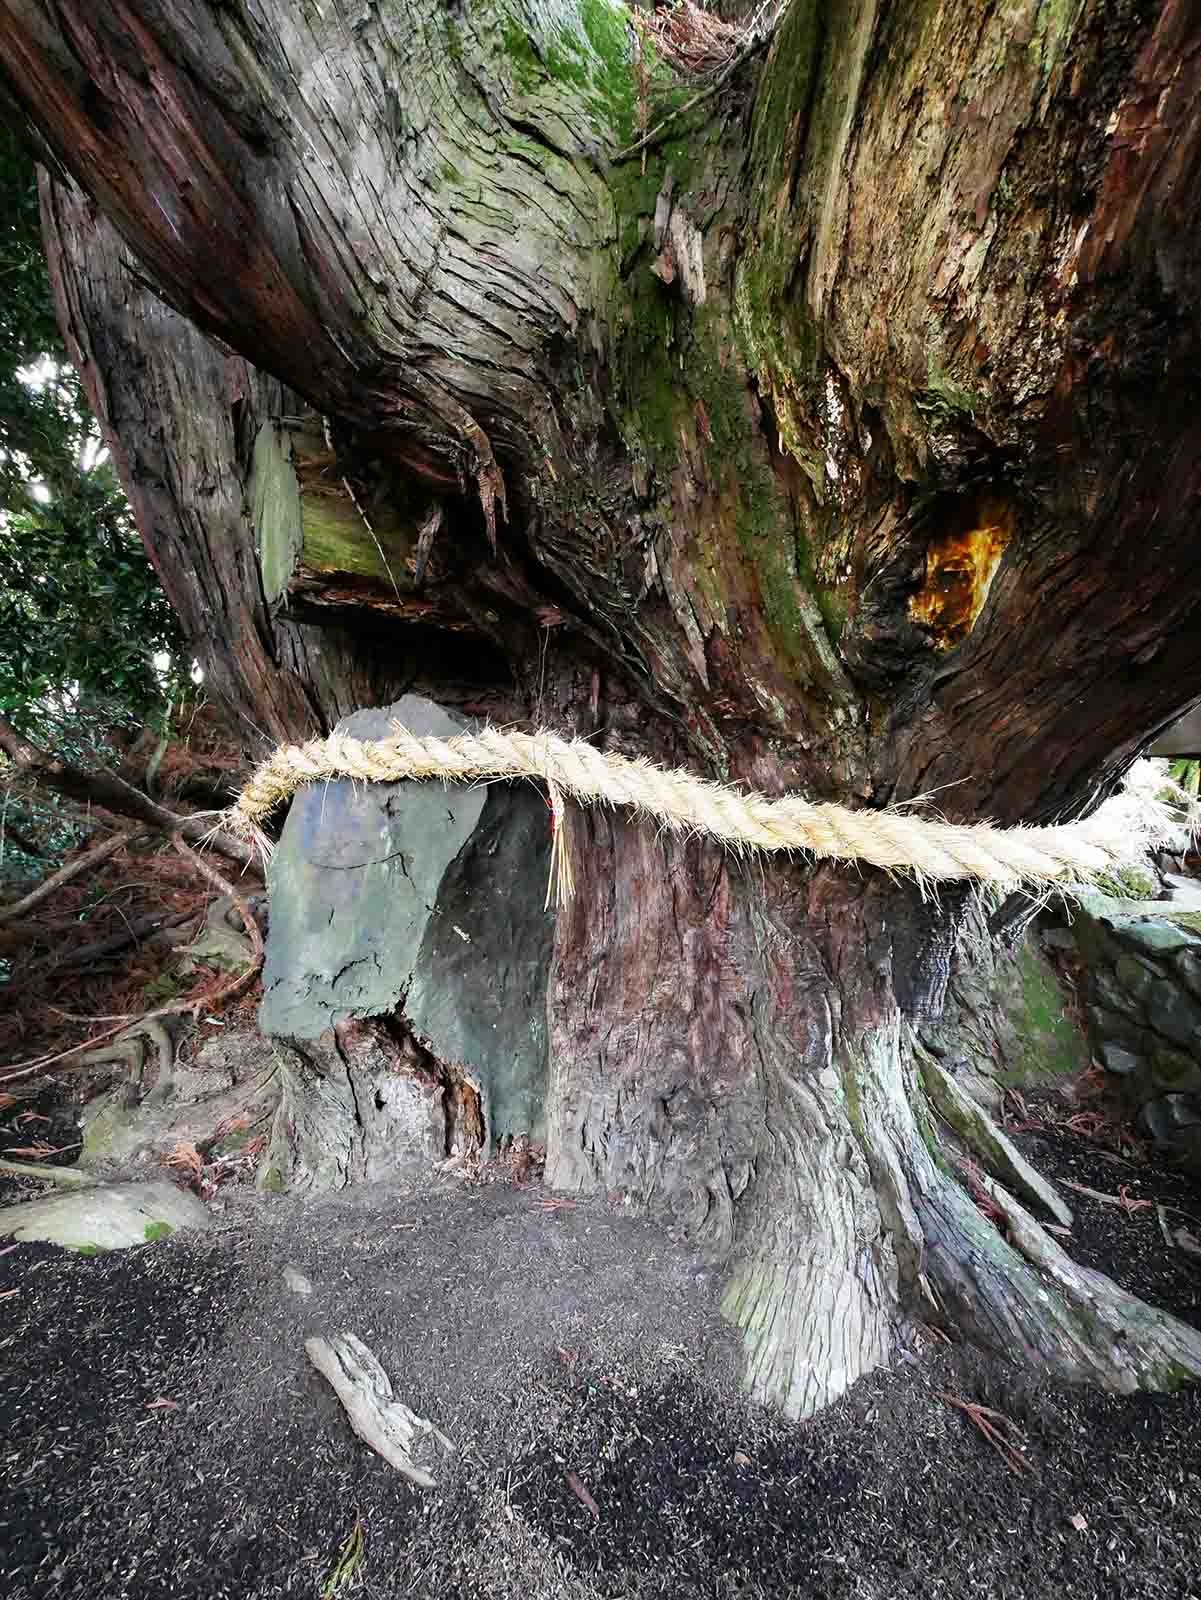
<point x="844" y="437"/>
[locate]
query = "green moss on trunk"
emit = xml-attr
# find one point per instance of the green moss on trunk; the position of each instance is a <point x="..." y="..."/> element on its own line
<point x="1052" y="1044"/>
<point x="275" y="497"/>
<point x="684" y="395"/>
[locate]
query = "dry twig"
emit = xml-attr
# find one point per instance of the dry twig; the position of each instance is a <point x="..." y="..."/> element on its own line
<point x="692" y="40"/>
<point x="230" y="990"/>
<point x="580" y="1491"/>
<point x="986" y="1420"/>
<point x="84" y="863"/>
<point x="186" y="1158"/>
<point x="1128" y="1202"/>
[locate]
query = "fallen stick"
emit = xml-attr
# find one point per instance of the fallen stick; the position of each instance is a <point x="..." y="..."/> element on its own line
<point x="383" y="1423"/>
<point x="65" y="1177"/>
<point x="1128" y="1203"/>
<point x="90" y="858"/>
<point x="156" y="922"/>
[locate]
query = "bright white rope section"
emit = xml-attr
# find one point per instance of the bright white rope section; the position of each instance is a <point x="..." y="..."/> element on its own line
<point x="1118" y="834"/>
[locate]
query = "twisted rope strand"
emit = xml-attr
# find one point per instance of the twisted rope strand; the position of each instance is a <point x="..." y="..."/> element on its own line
<point x="1117" y="834"/>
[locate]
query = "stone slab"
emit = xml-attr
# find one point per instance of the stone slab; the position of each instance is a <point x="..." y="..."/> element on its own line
<point x="106" y="1216"/>
<point x="425" y="901"/>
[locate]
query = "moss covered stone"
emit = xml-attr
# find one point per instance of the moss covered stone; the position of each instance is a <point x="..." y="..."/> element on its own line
<point x="1051" y="1044"/>
<point x="1129" y="883"/>
<point x="1004" y="1021"/>
<point x="105" y="1216"/>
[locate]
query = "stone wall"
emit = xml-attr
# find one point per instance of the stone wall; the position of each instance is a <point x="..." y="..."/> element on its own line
<point x="1142" y="990"/>
<point x="1007" y="1022"/>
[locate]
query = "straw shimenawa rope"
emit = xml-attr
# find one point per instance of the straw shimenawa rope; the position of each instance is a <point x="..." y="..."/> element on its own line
<point x="1118" y="834"/>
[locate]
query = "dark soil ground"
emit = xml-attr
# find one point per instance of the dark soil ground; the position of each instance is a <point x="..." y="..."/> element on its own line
<point x="564" y="1349"/>
<point x="41" y="1127"/>
<point x="1124" y="1235"/>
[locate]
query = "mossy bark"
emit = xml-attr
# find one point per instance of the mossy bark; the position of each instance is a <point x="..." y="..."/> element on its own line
<point x="782" y="454"/>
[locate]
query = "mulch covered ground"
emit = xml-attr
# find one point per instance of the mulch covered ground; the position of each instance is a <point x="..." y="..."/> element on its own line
<point x="163" y="1434"/>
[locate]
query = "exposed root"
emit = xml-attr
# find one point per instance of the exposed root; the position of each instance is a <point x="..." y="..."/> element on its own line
<point x="980" y="1133"/>
<point x="1024" y="1296"/>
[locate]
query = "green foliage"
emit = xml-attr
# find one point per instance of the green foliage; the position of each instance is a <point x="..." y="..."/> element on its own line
<point x="347" y="1563"/>
<point x="79" y="603"/>
<point x="27" y="325"/>
<point x="81" y="611"/>
<point x="1187" y="774"/>
<point x="158" y="1230"/>
<point x="81" y="732"/>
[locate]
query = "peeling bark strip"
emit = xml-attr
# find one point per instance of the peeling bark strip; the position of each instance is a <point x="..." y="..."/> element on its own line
<point x="849" y="447"/>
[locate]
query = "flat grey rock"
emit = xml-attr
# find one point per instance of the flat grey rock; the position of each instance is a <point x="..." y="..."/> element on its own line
<point x="354" y="881"/>
<point x="106" y="1216"/>
<point x="1185" y="893"/>
<point x="1118" y="1060"/>
<point x="1165" y="1117"/>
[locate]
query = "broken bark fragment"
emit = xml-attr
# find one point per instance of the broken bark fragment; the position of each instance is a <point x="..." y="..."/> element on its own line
<point x="385" y="1424"/>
